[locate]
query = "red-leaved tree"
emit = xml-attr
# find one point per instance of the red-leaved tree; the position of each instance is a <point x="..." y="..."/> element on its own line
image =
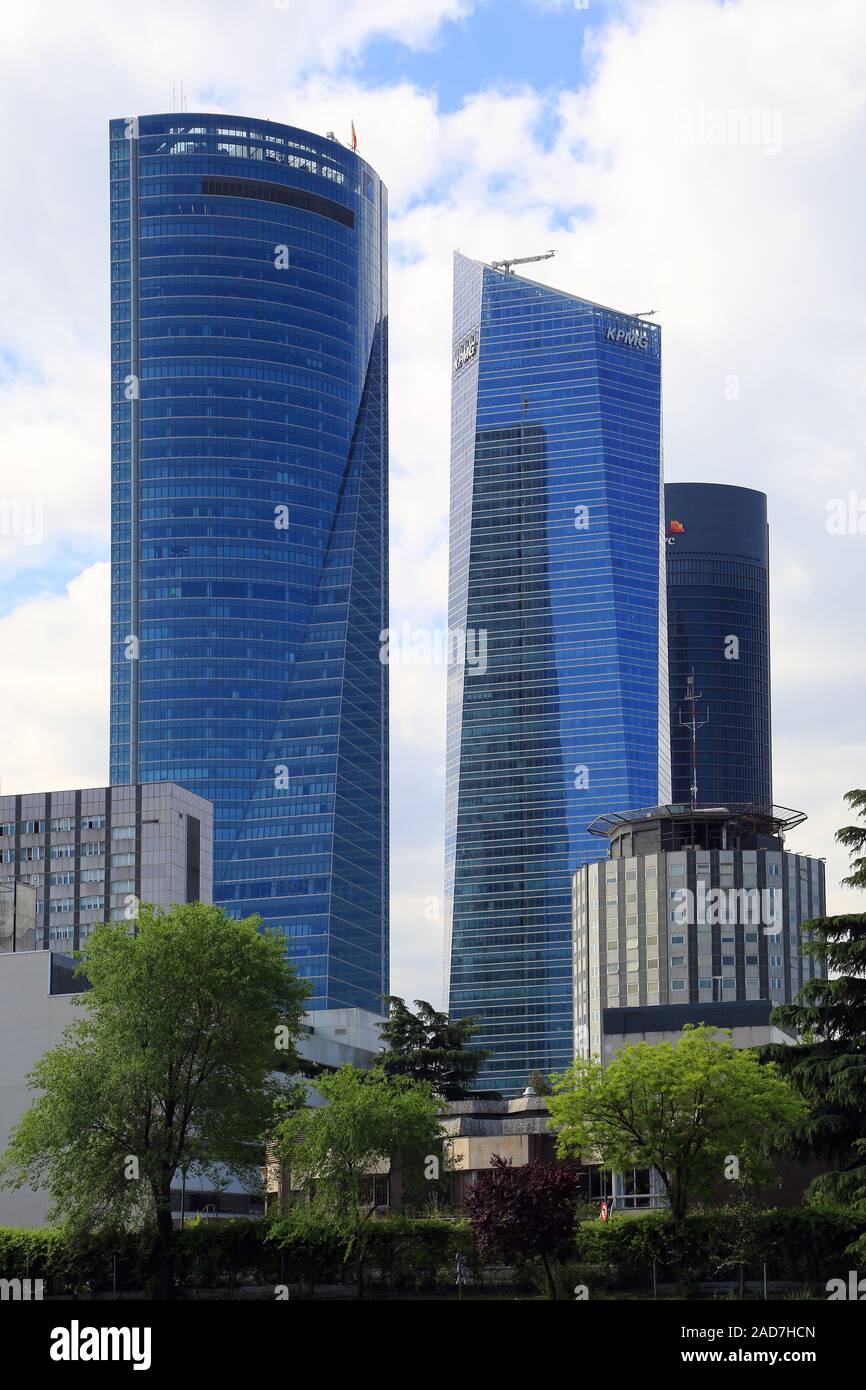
<point x="518" y="1213"/>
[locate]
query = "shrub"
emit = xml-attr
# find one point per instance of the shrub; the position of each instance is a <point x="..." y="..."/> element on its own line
<point x="796" y="1244"/>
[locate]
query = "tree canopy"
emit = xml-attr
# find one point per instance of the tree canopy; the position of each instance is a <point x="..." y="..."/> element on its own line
<point x="517" y="1213"/>
<point x="430" y="1046"/>
<point x="684" y="1108"/>
<point x="368" y="1119"/>
<point x="828" y="1066"/>
<point x="369" y="1123"/>
<point x="171" y="1066"/>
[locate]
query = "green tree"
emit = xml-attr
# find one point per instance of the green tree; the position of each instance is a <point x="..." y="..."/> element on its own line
<point x="828" y="1066"/>
<point x="540" y="1083"/>
<point x="332" y="1150"/>
<point x="430" y="1046"/>
<point x="172" y="1066"/>
<point x="684" y="1108"/>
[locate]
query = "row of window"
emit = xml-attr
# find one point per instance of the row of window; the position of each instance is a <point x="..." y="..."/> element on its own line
<point x="39" y="827"/>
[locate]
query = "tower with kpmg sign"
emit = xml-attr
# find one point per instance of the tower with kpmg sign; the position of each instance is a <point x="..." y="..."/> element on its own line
<point x="556" y="574"/>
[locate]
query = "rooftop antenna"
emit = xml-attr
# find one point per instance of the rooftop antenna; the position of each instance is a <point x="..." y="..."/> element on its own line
<point x="692" y="723"/>
<point x="520" y="260"/>
<point x="646" y="314"/>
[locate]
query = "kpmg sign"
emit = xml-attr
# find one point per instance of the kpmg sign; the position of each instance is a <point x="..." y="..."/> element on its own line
<point x="630" y="337"/>
<point x="466" y="350"/>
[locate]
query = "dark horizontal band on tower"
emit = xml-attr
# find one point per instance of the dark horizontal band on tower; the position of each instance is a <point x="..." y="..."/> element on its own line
<point x="279" y="193"/>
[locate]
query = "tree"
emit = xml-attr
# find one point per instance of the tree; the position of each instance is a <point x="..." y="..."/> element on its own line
<point x="429" y="1046"/>
<point x="684" y="1108"/>
<point x="540" y="1083"/>
<point x="334" y="1149"/>
<point x="525" y="1212"/>
<point x="171" y="1067"/>
<point x="828" y="1066"/>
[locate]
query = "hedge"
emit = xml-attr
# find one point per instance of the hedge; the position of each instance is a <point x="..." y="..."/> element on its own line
<point x="408" y="1253"/>
<point x="797" y="1244"/>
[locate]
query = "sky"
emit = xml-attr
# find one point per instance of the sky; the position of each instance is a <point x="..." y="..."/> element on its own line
<point x="699" y="158"/>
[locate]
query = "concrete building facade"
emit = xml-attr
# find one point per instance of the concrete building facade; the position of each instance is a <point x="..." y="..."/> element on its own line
<point x="694" y="905"/>
<point x="92" y="854"/>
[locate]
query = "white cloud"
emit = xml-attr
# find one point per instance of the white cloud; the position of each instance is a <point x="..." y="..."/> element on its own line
<point x="54" y="691"/>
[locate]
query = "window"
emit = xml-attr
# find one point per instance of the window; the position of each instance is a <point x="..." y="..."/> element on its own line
<point x="123" y="832"/>
<point x="678" y="961"/>
<point x="678" y="984"/>
<point x="676" y="870"/>
<point x="678" y="940"/>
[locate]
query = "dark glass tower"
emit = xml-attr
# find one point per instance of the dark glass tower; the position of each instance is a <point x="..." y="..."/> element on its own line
<point x="718" y="628"/>
<point x="557" y="699"/>
<point x="249" y="518"/>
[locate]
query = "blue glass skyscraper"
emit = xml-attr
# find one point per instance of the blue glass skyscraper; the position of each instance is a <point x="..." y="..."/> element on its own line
<point x="557" y="693"/>
<point x="249" y="518"/>
<point x="719" y="630"/>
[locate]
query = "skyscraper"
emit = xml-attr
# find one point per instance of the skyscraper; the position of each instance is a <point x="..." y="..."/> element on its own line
<point x="249" y="517"/>
<point x="719" y="629"/>
<point x="557" y="699"/>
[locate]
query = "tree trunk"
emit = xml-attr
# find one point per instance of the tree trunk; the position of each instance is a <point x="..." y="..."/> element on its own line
<point x="162" y="1265"/>
<point x="551" y="1282"/>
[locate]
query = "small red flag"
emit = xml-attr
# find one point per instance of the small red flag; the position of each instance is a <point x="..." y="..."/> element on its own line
<point x="354" y="137"/>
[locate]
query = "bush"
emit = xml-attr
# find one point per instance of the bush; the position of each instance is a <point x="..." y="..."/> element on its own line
<point x="796" y="1243"/>
<point x="409" y="1253"/>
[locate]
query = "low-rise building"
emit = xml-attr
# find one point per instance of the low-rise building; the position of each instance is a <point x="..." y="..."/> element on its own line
<point x="93" y="854"/>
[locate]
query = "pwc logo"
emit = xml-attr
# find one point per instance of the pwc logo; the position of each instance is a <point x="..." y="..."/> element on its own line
<point x="674" y="529"/>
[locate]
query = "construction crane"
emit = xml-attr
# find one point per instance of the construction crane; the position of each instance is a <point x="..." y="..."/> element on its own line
<point x="520" y="260"/>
